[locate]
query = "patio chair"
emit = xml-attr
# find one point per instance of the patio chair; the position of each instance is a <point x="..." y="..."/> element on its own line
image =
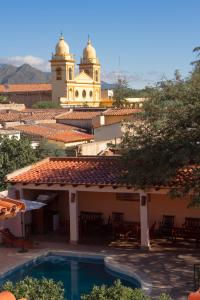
<point x="192" y="223"/>
<point x="165" y="228"/>
<point x="11" y="240"/>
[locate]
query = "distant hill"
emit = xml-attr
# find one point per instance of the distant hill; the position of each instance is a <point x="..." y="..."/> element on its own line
<point x="23" y="74"/>
<point x="26" y="74"/>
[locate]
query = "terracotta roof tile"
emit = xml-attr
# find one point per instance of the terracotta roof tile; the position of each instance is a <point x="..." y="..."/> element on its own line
<point x="13" y="116"/>
<point x="25" y="87"/>
<point x="78" y="115"/>
<point x="89" y="171"/>
<point x="56" y="132"/>
<point x="121" y="111"/>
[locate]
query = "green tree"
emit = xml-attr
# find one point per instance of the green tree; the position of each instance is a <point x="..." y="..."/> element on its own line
<point x="166" y="138"/>
<point x="46" y="105"/>
<point x="3" y="99"/>
<point x="118" y="292"/>
<point x="121" y="92"/>
<point x="47" y="149"/>
<point x="35" y="289"/>
<point x="14" y="155"/>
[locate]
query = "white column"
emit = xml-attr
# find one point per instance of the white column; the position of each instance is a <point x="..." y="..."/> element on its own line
<point x="73" y="216"/>
<point x="144" y="222"/>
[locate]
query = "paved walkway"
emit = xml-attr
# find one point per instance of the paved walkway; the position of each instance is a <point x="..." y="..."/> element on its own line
<point x="169" y="270"/>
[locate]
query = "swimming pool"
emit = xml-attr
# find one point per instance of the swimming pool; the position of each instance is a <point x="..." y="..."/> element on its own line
<point x="78" y="274"/>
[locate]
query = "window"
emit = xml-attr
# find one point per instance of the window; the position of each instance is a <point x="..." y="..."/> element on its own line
<point x="76" y="94"/>
<point x="90" y="94"/>
<point x="96" y="76"/>
<point x="128" y="197"/>
<point x="84" y="93"/>
<point x="58" y="74"/>
<point x="70" y="73"/>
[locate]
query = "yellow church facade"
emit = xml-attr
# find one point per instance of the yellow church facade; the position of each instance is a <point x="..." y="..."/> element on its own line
<point x="83" y="89"/>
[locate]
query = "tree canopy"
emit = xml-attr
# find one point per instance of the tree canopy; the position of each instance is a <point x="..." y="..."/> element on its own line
<point x="14" y="155"/>
<point x="46" y="105"/>
<point x="166" y="136"/>
<point x="122" y="91"/>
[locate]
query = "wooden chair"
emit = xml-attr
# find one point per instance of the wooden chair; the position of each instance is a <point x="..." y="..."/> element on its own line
<point x="165" y="228"/>
<point x="192" y="223"/>
<point x="11" y="240"/>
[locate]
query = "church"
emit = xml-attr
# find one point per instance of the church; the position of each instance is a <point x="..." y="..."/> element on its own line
<point x="83" y="89"/>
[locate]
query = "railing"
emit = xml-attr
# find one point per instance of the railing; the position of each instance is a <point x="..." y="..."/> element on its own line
<point x="196" y="277"/>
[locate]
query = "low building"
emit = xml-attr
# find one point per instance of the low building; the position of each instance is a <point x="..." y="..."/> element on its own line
<point x="96" y="187"/>
<point x="11" y="118"/>
<point x="27" y="93"/>
<point x="10" y="133"/>
<point x="82" y="119"/>
<point x="59" y="134"/>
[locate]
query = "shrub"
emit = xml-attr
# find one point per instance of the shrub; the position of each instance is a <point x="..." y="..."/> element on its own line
<point x="119" y="292"/>
<point x="35" y="289"/>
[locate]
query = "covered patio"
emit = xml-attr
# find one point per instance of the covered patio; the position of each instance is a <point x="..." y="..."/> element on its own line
<point x="88" y="196"/>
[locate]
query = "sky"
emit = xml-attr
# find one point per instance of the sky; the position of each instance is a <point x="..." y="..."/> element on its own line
<point x="142" y="40"/>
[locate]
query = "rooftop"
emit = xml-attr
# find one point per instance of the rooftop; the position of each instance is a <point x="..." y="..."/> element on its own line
<point x="32" y="115"/>
<point x="74" y="170"/>
<point x="121" y="111"/>
<point x="55" y="131"/>
<point x="78" y="115"/>
<point x="25" y="87"/>
<point x="97" y="170"/>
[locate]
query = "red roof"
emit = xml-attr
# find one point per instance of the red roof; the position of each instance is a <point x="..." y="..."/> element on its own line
<point x="121" y="111"/>
<point x="55" y="131"/>
<point x="78" y="115"/>
<point x="103" y="170"/>
<point x="76" y="170"/>
<point x="25" y="87"/>
<point x="33" y="115"/>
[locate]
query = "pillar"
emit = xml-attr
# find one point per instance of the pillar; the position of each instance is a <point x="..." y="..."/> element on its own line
<point x="73" y="216"/>
<point x="144" y="222"/>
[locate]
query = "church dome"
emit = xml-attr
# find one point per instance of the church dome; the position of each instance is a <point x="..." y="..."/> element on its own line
<point x="62" y="47"/>
<point x="89" y="52"/>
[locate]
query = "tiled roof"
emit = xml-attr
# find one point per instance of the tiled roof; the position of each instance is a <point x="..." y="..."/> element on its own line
<point x="121" y="111"/>
<point x="70" y="137"/>
<point x="79" y="170"/>
<point x="78" y="115"/>
<point x="25" y="87"/>
<point x="9" y="207"/>
<point x="56" y="132"/>
<point x="13" y="116"/>
<point x="89" y="171"/>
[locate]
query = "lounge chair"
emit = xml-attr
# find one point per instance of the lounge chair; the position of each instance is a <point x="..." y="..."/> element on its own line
<point x="11" y="240"/>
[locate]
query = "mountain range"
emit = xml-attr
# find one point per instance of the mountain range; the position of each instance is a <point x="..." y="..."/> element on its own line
<point x="10" y="74"/>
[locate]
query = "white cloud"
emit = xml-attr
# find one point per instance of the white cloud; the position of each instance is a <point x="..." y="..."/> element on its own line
<point x="135" y="80"/>
<point x="34" y="61"/>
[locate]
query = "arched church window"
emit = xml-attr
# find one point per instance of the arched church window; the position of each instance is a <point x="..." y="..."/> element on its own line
<point x="84" y="93"/>
<point x="70" y="94"/>
<point x="96" y="76"/>
<point x="59" y="74"/>
<point x="90" y="94"/>
<point x="76" y="94"/>
<point x="70" y="73"/>
<point x="87" y="72"/>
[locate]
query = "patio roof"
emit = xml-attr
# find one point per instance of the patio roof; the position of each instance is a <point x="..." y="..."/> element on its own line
<point x="88" y="171"/>
<point x="9" y="207"/>
<point x="72" y="171"/>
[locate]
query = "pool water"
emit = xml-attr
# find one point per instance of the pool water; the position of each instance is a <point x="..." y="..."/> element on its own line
<point x="78" y="275"/>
